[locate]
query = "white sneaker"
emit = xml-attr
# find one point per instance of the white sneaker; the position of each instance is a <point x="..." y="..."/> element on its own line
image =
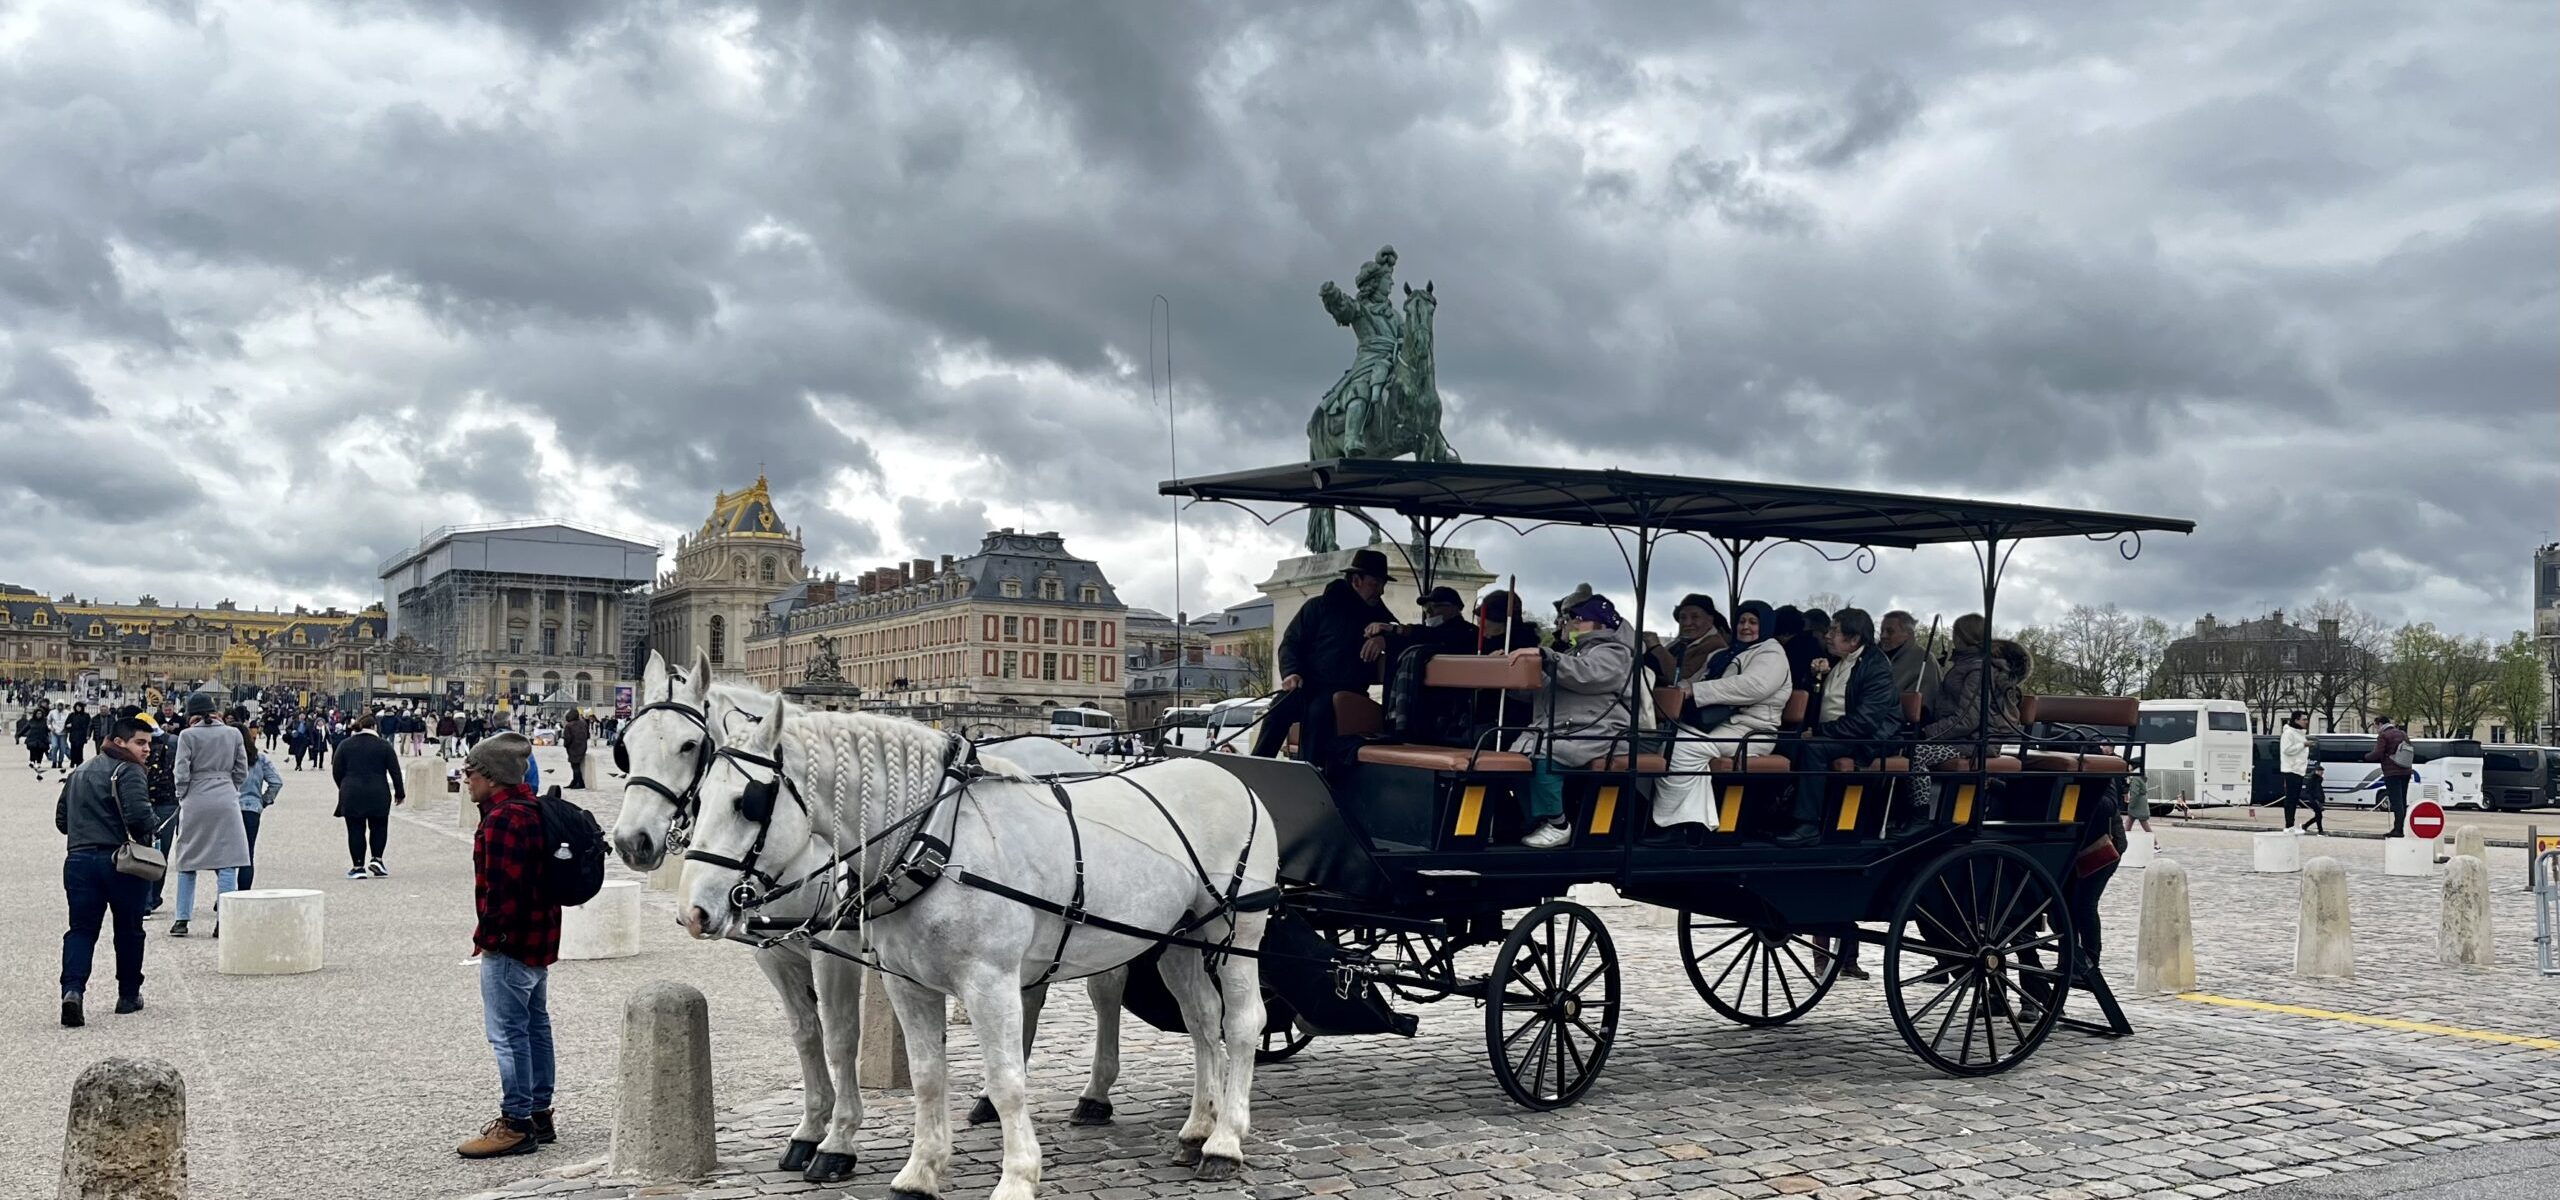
<point x="1548" y="835"/>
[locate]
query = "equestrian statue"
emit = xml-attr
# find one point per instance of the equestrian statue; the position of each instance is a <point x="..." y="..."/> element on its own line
<point x="1387" y="403"/>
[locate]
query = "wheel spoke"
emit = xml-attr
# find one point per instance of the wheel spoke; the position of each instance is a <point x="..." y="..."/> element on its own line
<point x="1579" y="956"/>
<point x="1540" y="1049"/>
<point x="1525" y="1026"/>
<point x="1782" y="976"/>
<point x="1585" y="981"/>
<point x="1962" y="986"/>
<point x="2025" y="924"/>
<point x="1721" y="947"/>
<point x="1765" y="956"/>
<point x="1936" y="973"/>
<point x="2018" y="1036"/>
<point x="1812" y="977"/>
<point x="1924" y="1010"/>
<point x="1940" y="953"/>
<point x="1718" y="986"/>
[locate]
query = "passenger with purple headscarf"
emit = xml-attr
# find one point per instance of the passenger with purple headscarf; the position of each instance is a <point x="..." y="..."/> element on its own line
<point x="1583" y="714"/>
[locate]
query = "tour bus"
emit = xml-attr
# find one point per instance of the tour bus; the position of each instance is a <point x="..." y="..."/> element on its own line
<point x="1086" y="728"/>
<point x="2449" y="771"/>
<point x="2200" y="749"/>
<point x="1227" y="725"/>
<point x="2515" y="777"/>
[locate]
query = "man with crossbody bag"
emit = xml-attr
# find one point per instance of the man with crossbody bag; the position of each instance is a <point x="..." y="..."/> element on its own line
<point x="109" y="865"/>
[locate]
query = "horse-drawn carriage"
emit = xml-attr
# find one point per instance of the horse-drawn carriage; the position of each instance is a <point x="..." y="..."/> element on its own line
<point x="1400" y="870"/>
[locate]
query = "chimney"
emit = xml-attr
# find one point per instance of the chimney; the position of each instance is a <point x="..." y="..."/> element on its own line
<point x="2329" y="628"/>
<point x="2204" y="624"/>
<point x="823" y="592"/>
<point x="2278" y="617"/>
<point x="921" y="569"/>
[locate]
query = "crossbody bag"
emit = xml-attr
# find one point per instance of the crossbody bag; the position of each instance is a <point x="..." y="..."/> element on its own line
<point x="143" y="862"/>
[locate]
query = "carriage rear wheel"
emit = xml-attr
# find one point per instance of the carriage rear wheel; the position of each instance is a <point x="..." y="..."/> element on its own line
<point x="1551" y="1005"/>
<point x="1755" y="974"/>
<point x="1283" y="1034"/>
<point x="1972" y="962"/>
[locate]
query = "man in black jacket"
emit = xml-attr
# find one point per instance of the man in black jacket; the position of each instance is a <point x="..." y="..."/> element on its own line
<point x="363" y="765"/>
<point x="104" y="804"/>
<point x="1332" y="645"/>
<point x="1855" y="716"/>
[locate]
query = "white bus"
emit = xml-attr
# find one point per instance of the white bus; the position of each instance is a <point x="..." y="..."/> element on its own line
<point x="1227" y="725"/>
<point x="1086" y="728"/>
<point x="2449" y="771"/>
<point x="2196" y="748"/>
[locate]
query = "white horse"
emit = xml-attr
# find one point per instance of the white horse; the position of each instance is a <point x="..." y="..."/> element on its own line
<point x="785" y="777"/>
<point x="662" y="751"/>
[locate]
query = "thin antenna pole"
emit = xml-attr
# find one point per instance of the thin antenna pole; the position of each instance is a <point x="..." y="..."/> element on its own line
<point x="1173" y="464"/>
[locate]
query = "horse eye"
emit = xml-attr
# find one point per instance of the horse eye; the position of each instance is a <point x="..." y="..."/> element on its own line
<point x="687" y="748"/>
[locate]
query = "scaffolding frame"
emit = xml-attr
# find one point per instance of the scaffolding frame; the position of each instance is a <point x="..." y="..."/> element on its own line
<point x="442" y="612"/>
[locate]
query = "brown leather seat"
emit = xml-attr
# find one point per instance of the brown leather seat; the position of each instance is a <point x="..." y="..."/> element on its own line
<point x="1445" y="758"/>
<point x="1757" y="764"/>
<point x="1667" y="702"/>
<point x="2084" y="764"/>
<point x="1892" y="764"/>
<point x="1798" y="702"/>
<point x="1356" y="715"/>
<point x="1911" y="705"/>
<point x="1645" y="764"/>
<point x="1998" y="764"/>
<point x="1516" y="671"/>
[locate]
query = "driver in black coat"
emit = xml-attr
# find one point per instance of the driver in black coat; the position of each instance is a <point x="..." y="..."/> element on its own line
<point x="1329" y="647"/>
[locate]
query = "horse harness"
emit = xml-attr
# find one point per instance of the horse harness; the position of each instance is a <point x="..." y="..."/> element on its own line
<point x="680" y="828"/>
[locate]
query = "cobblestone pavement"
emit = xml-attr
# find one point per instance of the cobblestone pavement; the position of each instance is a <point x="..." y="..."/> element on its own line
<point x="2206" y="1100"/>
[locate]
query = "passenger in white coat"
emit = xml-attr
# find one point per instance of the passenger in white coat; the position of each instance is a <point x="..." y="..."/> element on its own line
<point x="1746" y="694"/>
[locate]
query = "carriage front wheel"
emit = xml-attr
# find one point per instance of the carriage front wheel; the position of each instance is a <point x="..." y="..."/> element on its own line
<point x="1755" y="974"/>
<point x="1974" y="955"/>
<point x="1551" y="1005"/>
<point x="1283" y="1034"/>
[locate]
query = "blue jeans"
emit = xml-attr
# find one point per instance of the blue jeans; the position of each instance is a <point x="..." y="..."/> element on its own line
<point x="516" y="1011"/>
<point x="92" y="885"/>
<point x="225" y="879"/>
<point x="58" y="751"/>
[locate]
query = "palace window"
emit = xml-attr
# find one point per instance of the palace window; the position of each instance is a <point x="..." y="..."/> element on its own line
<point x="1049" y="667"/>
<point x="1012" y="664"/>
<point x="1091" y="632"/>
<point x="1012" y="589"/>
<point x="718" y="637"/>
<point x="1013" y="629"/>
<point x="550" y="640"/>
<point x="586" y="688"/>
<point x="1051" y="589"/>
<point x="1049" y="630"/>
<point x="1089" y="594"/>
<point x="515" y="642"/>
<point x="766" y="571"/>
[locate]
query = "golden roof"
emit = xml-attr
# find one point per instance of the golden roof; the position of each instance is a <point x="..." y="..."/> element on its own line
<point x="745" y="513"/>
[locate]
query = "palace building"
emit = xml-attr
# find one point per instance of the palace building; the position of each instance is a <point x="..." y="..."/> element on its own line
<point x="148" y="642"/>
<point x="1021" y="621"/>
<point x="726" y="572"/>
<point x="543" y="611"/>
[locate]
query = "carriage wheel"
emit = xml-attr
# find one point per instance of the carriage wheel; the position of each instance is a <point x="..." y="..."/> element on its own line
<point x="1966" y="959"/>
<point x="1283" y="1035"/>
<point x="1551" y="1005"/>
<point x="1755" y="974"/>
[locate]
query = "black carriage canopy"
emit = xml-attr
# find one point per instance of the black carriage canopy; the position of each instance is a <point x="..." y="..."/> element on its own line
<point x="1433" y="493"/>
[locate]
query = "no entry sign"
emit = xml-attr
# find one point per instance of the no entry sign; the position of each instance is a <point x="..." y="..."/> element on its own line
<point x="2426" y="820"/>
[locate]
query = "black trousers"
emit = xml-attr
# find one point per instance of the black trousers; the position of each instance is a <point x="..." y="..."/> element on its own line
<point x="362" y="831"/>
<point x="2395" y="792"/>
<point x="2292" y="797"/>
<point x="77" y="748"/>
<point x="1310" y="708"/>
<point x="1816" y="757"/>
<point x="249" y="822"/>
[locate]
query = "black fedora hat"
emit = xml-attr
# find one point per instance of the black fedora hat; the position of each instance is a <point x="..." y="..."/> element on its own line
<point x="1370" y="563"/>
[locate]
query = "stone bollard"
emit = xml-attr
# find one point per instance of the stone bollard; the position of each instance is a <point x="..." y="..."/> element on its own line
<point x="883" y="1061"/>
<point x="662" y="1118"/>
<point x="127" y="1138"/>
<point x="423" y="777"/>
<point x="2469" y="841"/>
<point x="272" y="931"/>
<point x="606" y="926"/>
<point x="2277" y="853"/>
<point x="2164" y="948"/>
<point x="2408" y="857"/>
<point x="2464" y="933"/>
<point x="466" y="813"/>
<point x="2139" y="845"/>
<point x="599" y="772"/>
<point x="2324" y="945"/>
<point x="668" y="876"/>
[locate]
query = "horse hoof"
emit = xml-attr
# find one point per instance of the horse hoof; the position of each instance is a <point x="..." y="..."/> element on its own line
<point x="1090" y="1111"/>
<point x="1186" y="1151"/>
<point x="904" y="1194"/>
<point x="1217" y="1167"/>
<point x="829" y="1167"/>
<point x="797" y="1155"/>
<point x="983" y="1112"/>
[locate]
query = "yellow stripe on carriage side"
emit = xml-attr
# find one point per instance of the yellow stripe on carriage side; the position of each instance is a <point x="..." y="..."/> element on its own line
<point x="1604" y="811"/>
<point x="1849" y="807"/>
<point x="1732" y="804"/>
<point x="1470" y="811"/>
<point x="1964" y="805"/>
<point x="2070" y="803"/>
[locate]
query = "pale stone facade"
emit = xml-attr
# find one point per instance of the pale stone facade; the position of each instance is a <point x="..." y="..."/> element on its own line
<point x="725" y="574"/>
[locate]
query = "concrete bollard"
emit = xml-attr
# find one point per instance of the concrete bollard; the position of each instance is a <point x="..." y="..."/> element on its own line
<point x="2463" y="935"/>
<point x="2469" y="841"/>
<point x="2324" y="944"/>
<point x="883" y="1061"/>
<point x="2277" y="853"/>
<point x="662" y="1118"/>
<point x="272" y="931"/>
<point x="466" y="812"/>
<point x="606" y="926"/>
<point x="2408" y="857"/>
<point x="423" y="777"/>
<point x="668" y="876"/>
<point x="2164" y="948"/>
<point x="599" y="772"/>
<point x="2139" y="845"/>
<point x="127" y="1137"/>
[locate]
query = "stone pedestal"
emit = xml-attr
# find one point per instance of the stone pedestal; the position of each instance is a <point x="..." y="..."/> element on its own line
<point x="2138" y="847"/>
<point x="1294" y="581"/>
<point x="669" y="875"/>
<point x="662" y="1116"/>
<point x="271" y="931"/>
<point x="466" y="811"/>
<point x="2324" y="945"/>
<point x="2407" y="856"/>
<point x="2277" y="853"/>
<point x="423" y="776"/>
<point x="2464" y="933"/>
<point x="606" y="926"/>
<point x="2164" y="950"/>
<point x="2469" y="842"/>
<point x="127" y="1137"/>
<point x="883" y="1060"/>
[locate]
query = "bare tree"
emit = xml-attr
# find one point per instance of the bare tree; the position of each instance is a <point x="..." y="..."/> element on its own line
<point x="2094" y="651"/>
<point x="2346" y="665"/>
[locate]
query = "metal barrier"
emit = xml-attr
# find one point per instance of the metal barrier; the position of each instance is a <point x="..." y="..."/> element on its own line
<point x="2546" y="912"/>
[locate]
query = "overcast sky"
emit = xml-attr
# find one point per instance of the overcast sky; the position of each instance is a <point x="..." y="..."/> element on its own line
<point x="284" y="285"/>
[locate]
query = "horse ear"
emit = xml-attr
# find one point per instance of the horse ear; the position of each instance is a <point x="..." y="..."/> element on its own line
<point x="768" y="708"/>
<point x="1427" y="285"/>
<point x="1408" y="289"/>
<point x="700" y="676"/>
<point x="653" y="677"/>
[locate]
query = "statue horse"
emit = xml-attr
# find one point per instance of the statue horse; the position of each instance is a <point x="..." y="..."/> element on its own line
<point x="662" y="753"/>
<point x="979" y="881"/>
<point x="1403" y="420"/>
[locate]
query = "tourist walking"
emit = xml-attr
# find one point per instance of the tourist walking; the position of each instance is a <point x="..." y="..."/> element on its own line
<point x="104" y="804"/>
<point x="257" y="794"/>
<point x="2391" y="750"/>
<point x="33" y="731"/>
<point x="573" y="737"/>
<point x="75" y="733"/>
<point x="369" y="784"/>
<point x="56" y="754"/>
<point x="2315" y="792"/>
<point x="2293" y="755"/>
<point x="158" y="774"/>
<point x="211" y="767"/>
<point x="517" y="940"/>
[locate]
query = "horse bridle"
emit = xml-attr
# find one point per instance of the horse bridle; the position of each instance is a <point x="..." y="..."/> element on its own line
<point x="754" y="804"/>
<point x="680" y="828"/>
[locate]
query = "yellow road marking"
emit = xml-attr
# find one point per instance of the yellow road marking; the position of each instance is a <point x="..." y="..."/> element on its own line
<point x="2322" y="1014"/>
<point x="1605" y="812"/>
<point x="1470" y="811"/>
<point x="1849" y="806"/>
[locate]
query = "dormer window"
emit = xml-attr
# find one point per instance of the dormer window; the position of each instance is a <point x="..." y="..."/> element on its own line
<point x="1089" y="594"/>
<point x="1012" y="589"/>
<point x="1051" y="589"/>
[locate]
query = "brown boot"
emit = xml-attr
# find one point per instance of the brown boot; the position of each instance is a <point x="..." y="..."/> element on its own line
<point x="542" y="1130"/>
<point x="504" y="1136"/>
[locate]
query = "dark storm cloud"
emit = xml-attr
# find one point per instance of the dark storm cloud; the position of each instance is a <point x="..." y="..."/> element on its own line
<point x="2102" y="254"/>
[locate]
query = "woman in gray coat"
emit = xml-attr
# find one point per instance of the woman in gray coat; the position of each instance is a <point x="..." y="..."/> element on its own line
<point x="209" y="766"/>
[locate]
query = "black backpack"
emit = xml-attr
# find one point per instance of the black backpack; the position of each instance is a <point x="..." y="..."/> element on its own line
<point x="573" y="852"/>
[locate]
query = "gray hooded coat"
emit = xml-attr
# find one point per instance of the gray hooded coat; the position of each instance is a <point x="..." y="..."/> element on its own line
<point x="1587" y="698"/>
<point x="210" y="764"/>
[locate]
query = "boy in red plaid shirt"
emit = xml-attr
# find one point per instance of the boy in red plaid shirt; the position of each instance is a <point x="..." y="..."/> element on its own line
<point x="518" y="939"/>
